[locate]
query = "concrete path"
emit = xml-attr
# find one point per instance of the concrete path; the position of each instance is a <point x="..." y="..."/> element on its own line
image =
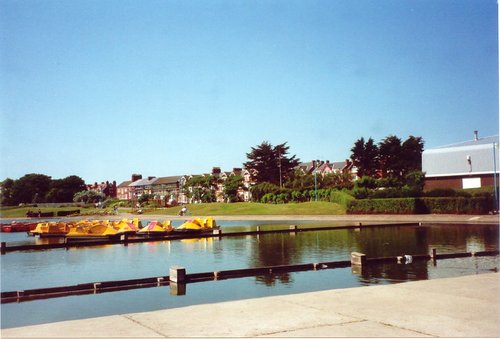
<point x="466" y="306"/>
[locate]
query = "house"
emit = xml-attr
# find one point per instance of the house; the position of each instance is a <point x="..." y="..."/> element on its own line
<point x="140" y="187"/>
<point x="168" y="190"/>
<point x="124" y="190"/>
<point x="107" y="188"/>
<point x="468" y="164"/>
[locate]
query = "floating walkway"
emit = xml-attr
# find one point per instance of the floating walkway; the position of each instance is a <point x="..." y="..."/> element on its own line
<point x="178" y="277"/>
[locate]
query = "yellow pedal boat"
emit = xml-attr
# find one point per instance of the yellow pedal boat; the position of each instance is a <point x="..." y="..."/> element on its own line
<point x="51" y="229"/>
<point x="126" y="226"/>
<point x="92" y="230"/>
<point x="156" y="228"/>
<point x="198" y="225"/>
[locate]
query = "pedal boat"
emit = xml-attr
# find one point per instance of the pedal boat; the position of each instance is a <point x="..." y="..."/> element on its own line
<point x="51" y="229"/>
<point x="126" y="226"/>
<point x="93" y="230"/>
<point x="156" y="228"/>
<point x="197" y="225"/>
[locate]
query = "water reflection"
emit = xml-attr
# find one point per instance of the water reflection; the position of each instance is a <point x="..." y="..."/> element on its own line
<point x="36" y="269"/>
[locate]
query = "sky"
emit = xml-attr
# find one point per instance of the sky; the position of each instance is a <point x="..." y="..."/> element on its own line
<point x="102" y="89"/>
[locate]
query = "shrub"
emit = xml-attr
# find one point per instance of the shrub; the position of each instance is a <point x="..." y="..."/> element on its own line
<point x="65" y="213"/>
<point x="446" y="205"/>
<point x="268" y="198"/>
<point x="340" y="197"/>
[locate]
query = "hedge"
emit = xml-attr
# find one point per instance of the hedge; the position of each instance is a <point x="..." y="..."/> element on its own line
<point x="65" y="213"/>
<point x="448" y="205"/>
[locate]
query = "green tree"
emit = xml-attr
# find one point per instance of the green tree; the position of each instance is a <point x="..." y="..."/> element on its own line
<point x="6" y="191"/>
<point x="300" y="181"/>
<point x="391" y="157"/>
<point x="63" y="190"/>
<point x="270" y="164"/>
<point x="364" y="155"/>
<point x="31" y="188"/>
<point x="231" y="187"/>
<point x="261" y="189"/>
<point x="87" y="197"/>
<point x="412" y="149"/>
<point x="201" y="188"/>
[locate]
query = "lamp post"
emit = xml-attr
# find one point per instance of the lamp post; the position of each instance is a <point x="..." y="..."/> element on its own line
<point x="279" y="166"/>
<point x="315" y="181"/>
<point x="495" y="175"/>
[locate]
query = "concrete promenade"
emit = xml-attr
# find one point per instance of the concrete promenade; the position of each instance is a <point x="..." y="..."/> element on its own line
<point x="467" y="306"/>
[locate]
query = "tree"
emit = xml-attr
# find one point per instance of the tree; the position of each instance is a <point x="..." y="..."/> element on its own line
<point x="261" y="189"/>
<point x="88" y="196"/>
<point x="365" y="157"/>
<point x="31" y="188"/>
<point x="201" y="188"/>
<point x="63" y="190"/>
<point x="412" y="150"/>
<point x="231" y="187"/>
<point x="390" y="157"/>
<point x="6" y="192"/>
<point x="270" y="164"/>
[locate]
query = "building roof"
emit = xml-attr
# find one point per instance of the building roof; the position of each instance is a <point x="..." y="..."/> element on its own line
<point x="167" y="180"/>
<point x="125" y="184"/>
<point x="465" y="158"/>
<point x="480" y="141"/>
<point x="143" y="182"/>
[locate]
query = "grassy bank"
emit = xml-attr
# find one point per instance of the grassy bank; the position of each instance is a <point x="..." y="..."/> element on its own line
<point x="244" y="208"/>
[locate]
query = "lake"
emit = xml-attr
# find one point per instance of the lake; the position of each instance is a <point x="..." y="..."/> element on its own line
<point x="37" y="269"/>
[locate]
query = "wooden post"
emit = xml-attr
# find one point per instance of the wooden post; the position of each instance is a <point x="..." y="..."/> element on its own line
<point x="433" y="256"/>
<point x="358" y="258"/>
<point x="4" y="247"/>
<point x="177" y="274"/>
<point x="293" y="228"/>
<point x="258" y="229"/>
<point x="124" y="239"/>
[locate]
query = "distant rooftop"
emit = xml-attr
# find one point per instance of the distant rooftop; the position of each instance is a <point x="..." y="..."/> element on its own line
<point x="479" y="141"/>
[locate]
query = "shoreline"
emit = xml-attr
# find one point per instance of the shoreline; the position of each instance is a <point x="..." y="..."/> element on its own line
<point x="490" y="218"/>
<point x="466" y="306"/>
<point x="440" y="218"/>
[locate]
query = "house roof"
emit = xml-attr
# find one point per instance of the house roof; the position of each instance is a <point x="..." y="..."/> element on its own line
<point x="167" y="180"/>
<point x="125" y="183"/>
<point x="143" y="182"/>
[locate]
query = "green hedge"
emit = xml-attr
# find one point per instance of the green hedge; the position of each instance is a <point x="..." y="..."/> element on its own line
<point x="65" y="213"/>
<point x="448" y="205"/>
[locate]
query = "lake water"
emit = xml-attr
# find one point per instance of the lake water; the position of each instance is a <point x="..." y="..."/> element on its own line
<point x="37" y="269"/>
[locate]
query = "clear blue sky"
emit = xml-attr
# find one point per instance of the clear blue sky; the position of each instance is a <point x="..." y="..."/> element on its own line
<point x="106" y="88"/>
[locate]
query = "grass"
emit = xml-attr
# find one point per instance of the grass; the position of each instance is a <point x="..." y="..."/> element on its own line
<point x="243" y="208"/>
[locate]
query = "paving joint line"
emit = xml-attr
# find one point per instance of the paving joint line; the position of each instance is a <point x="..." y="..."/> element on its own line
<point x="406" y="329"/>
<point x="129" y="317"/>
<point x="315" y="326"/>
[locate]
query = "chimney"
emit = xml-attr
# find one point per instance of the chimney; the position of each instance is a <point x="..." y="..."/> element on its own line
<point x="476" y="135"/>
<point x="216" y="170"/>
<point x="136" y="177"/>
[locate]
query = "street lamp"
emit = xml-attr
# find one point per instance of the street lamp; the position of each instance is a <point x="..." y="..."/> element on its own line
<point x="495" y="145"/>
<point x="315" y="162"/>
<point x="279" y="166"/>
